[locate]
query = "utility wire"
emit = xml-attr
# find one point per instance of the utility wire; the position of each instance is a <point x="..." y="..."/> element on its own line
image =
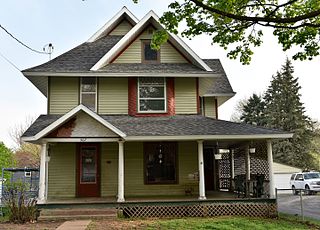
<point x="28" y="47"/>
<point x="10" y="62"/>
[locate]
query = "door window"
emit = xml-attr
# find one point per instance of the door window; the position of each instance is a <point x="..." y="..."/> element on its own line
<point x="88" y="165"/>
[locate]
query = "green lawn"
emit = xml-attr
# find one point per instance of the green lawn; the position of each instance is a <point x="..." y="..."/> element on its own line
<point x="226" y="223"/>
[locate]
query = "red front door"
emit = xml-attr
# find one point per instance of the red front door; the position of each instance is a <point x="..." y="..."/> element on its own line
<point x="88" y="170"/>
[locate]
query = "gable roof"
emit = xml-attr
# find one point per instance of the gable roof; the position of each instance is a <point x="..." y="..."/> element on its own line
<point x="124" y="13"/>
<point x="152" y="18"/>
<point x="179" y="127"/>
<point x="53" y="122"/>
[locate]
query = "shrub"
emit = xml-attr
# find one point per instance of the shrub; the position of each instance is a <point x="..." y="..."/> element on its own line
<point x="21" y="208"/>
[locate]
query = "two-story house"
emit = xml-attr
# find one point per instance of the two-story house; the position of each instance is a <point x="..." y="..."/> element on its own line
<point x="125" y="120"/>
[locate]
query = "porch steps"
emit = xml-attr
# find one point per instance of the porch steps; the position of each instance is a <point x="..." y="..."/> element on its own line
<point x="77" y="213"/>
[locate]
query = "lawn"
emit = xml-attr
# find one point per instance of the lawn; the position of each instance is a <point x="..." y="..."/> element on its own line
<point x="223" y="223"/>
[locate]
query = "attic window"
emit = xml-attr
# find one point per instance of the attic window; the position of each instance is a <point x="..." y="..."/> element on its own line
<point x="149" y="55"/>
<point x="88" y="92"/>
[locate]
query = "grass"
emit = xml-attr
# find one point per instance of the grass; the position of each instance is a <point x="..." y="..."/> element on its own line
<point x="285" y="222"/>
<point x="226" y="223"/>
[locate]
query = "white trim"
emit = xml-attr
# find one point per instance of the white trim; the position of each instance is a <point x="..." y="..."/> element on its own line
<point x="113" y="52"/>
<point x="219" y="95"/>
<point x="70" y="114"/>
<point x="209" y="137"/>
<point x="129" y="74"/>
<point x="165" y="98"/>
<point x="112" y="22"/>
<point x="80" y="139"/>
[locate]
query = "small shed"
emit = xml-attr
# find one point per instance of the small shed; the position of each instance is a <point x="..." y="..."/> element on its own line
<point x="282" y="174"/>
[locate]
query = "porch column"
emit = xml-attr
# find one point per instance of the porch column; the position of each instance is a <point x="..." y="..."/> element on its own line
<point x="121" y="173"/>
<point x="270" y="163"/>
<point x="232" y="163"/>
<point x="202" y="191"/>
<point x="232" y="186"/>
<point x="247" y="160"/>
<point x="42" y="177"/>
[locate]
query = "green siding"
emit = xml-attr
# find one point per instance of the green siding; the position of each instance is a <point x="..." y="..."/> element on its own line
<point x="109" y="169"/>
<point x="168" y="54"/>
<point x="210" y="107"/>
<point x="185" y="95"/>
<point x="204" y="84"/>
<point x="121" y="29"/>
<point x="62" y="171"/>
<point x="113" y="96"/>
<point x="134" y="171"/>
<point x="64" y="94"/>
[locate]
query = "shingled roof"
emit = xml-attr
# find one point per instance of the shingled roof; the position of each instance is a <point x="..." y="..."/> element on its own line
<point x="179" y="125"/>
<point x="80" y="58"/>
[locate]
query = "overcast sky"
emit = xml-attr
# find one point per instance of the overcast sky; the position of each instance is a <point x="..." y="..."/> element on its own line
<point x="66" y="24"/>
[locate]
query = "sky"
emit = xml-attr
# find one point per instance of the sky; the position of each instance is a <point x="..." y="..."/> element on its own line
<point x="67" y="24"/>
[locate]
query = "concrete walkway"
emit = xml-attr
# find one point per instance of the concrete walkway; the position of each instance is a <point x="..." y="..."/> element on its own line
<point x="74" y="225"/>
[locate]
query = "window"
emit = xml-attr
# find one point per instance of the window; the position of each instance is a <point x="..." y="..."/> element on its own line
<point x="299" y="177"/>
<point x="152" y="95"/>
<point x="88" y="92"/>
<point x="160" y="162"/>
<point x="149" y="55"/>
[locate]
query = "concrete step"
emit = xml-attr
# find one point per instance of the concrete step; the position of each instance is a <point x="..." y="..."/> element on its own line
<point x="78" y="213"/>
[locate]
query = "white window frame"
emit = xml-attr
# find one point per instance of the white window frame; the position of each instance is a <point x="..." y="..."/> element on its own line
<point x="96" y="97"/>
<point x="165" y="98"/>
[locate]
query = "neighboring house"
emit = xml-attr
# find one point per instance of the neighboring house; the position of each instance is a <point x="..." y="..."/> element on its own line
<point x="124" y="120"/>
<point x="282" y="175"/>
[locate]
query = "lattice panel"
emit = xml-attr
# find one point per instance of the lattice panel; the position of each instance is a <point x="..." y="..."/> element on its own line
<point x="224" y="171"/>
<point x="201" y="210"/>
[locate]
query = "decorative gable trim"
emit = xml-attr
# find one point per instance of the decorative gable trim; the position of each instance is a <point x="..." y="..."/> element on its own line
<point x="113" y="22"/>
<point x="67" y="117"/>
<point x="151" y="17"/>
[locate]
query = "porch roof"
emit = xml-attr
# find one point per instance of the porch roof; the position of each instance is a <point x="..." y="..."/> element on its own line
<point x="172" y="127"/>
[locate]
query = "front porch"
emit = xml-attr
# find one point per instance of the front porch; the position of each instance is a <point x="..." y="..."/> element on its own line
<point x="199" y="170"/>
<point x="216" y="204"/>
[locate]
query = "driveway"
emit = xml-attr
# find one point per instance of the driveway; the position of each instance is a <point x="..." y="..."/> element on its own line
<point x="290" y="204"/>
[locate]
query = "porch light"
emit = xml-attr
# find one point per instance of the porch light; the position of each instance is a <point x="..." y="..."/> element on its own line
<point x="252" y="150"/>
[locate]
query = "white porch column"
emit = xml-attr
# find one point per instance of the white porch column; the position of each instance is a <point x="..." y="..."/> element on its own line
<point x="247" y="163"/>
<point x="270" y="163"/>
<point x="202" y="191"/>
<point x="232" y="163"/>
<point x="121" y="173"/>
<point x="42" y="177"/>
<point x="247" y="160"/>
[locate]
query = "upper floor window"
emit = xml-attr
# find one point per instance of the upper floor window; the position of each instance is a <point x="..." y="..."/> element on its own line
<point x="88" y="92"/>
<point x="149" y="55"/>
<point x="152" y="95"/>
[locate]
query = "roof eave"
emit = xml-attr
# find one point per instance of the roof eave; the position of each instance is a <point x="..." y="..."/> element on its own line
<point x="117" y="74"/>
<point x="210" y="137"/>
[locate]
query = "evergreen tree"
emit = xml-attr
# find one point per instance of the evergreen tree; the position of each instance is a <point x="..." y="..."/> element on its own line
<point x="284" y="110"/>
<point x="253" y="111"/>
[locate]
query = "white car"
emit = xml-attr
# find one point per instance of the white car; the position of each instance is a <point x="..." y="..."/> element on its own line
<point x="309" y="181"/>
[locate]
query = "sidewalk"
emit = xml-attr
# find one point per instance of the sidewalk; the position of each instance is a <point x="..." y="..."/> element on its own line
<point x="74" y="225"/>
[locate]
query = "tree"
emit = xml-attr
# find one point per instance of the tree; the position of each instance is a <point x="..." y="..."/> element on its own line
<point x="26" y="154"/>
<point x="237" y="25"/>
<point x="254" y="111"/>
<point x="284" y="110"/>
<point x="6" y="158"/>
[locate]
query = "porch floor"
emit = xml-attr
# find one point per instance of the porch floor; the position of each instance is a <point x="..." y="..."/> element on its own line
<point x="211" y="196"/>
